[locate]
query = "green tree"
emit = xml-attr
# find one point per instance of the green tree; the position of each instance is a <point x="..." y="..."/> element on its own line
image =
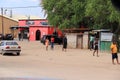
<point x="96" y="14"/>
<point x="103" y="13"/>
<point x="64" y="13"/>
<point x="97" y="9"/>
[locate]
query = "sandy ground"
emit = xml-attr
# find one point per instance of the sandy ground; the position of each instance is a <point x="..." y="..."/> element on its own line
<point x="75" y="64"/>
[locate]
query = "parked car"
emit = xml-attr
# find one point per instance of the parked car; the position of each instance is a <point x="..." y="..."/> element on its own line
<point x="8" y="37"/>
<point x="57" y="39"/>
<point x="9" y="47"/>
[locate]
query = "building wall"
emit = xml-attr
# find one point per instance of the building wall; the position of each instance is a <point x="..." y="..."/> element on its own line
<point x="38" y="26"/>
<point x="72" y="40"/>
<point x="85" y="40"/>
<point x="77" y="40"/>
<point x="44" y="30"/>
<point x="7" y="23"/>
<point x="36" y="22"/>
<point x="33" y="29"/>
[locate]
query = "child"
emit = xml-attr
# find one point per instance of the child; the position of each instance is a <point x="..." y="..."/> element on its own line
<point x="52" y="42"/>
<point x="114" y="52"/>
<point x="46" y="43"/>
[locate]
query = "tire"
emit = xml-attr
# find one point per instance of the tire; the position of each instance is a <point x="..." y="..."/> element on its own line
<point x="18" y="54"/>
<point x="59" y="43"/>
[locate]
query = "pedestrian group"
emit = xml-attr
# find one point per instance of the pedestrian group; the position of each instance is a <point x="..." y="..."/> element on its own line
<point x="93" y="46"/>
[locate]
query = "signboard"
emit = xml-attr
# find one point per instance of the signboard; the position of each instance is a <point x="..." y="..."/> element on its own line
<point x="106" y="36"/>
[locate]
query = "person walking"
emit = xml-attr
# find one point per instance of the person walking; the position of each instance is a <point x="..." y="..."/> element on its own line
<point x="28" y="36"/>
<point x="22" y="34"/>
<point x="91" y="42"/>
<point x="114" y="52"/>
<point x="46" y="43"/>
<point x="19" y="36"/>
<point x="52" y="42"/>
<point x="64" y="43"/>
<point x="96" y="48"/>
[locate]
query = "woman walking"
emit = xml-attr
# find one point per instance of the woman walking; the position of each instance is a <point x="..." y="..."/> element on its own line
<point x="64" y="44"/>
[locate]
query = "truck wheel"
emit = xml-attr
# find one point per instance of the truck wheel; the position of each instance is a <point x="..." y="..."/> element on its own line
<point x="18" y="54"/>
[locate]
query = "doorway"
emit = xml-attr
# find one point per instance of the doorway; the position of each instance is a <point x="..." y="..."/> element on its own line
<point x="38" y="35"/>
<point x="80" y="41"/>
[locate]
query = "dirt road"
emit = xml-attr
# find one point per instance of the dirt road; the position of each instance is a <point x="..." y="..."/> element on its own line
<point x="35" y="63"/>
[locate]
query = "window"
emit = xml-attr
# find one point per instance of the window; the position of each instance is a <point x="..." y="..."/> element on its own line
<point x="11" y="43"/>
<point x="29" y="22"/>
<point x="44" y="23"/>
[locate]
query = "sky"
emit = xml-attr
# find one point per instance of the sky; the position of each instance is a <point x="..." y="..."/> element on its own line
<point x="18" y="7"/>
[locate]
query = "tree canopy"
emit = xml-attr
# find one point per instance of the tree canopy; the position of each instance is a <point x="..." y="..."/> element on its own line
<point x="71" y="13"/>
<point x="64" y="13"/>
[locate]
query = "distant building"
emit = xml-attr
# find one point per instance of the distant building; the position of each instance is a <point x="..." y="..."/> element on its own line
<point x="36" y="28"/>
<point x="6" y="23"/>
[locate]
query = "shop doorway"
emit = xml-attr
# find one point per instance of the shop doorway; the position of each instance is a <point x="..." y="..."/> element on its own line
<point x="80" y="41"/>
<point x="38" y="35"/>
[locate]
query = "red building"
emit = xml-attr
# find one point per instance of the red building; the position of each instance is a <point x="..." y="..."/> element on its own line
<point x="36" y="28"/>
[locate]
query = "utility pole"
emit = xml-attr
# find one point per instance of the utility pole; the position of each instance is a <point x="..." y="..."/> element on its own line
<point x="2" y="21"/>
<point x="11" y="13"/>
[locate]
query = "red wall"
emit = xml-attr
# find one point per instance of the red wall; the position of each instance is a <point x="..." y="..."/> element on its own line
<point x="44" y="30"/>
<point x="37" y="26"/>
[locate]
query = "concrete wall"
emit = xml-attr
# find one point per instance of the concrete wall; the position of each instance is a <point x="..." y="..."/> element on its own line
<point x="73" y="41"/>
<point x="85" y="40"/>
